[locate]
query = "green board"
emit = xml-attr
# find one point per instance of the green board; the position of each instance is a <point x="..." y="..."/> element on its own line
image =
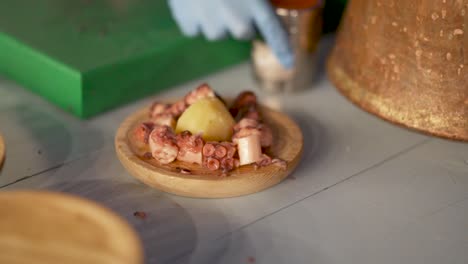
<point x="90" y="56"/>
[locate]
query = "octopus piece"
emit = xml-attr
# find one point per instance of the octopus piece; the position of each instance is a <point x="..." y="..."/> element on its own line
<point x="164" y="119"/>
<point x="231" y="148"/>
<point x="250" y="112"/>
<point x="202" y="91"/>
<point x="265" y="160"/>
<point x="209" y="149"/>
<point x="280" y="163"/>
<point x="250" y="135"/>
<point x="245" y="122"/>
<point x="245" y="98"/>
<point x="158" y="108"/>
<point x="142" y="132"/>
<point x="228" y="164"/>
<point x="266" y="136"/>
<point x="183" y="170"/>
<point x="248" y="145"/>
<point x="177" y="108"/>
<point x="162" y="142"/>
<point x="223" y="152"/>
<point x="244" y="104"/>
<point x="219" y="150"/>
<point x="147" y="155"/>
<point x="212" y="163"/>
<point x="190" y="147"/>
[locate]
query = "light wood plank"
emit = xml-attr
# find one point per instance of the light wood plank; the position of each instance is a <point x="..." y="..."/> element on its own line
<point x="413" y="209"/>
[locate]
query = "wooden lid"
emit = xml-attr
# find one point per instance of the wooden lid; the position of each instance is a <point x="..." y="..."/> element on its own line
<point x="46" y="227"/>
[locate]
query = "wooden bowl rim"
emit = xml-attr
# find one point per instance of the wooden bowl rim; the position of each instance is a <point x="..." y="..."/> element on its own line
<point x="76" y="205"/>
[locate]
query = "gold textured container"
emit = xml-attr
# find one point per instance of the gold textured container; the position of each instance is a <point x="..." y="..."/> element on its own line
<point x="406" y="62"/>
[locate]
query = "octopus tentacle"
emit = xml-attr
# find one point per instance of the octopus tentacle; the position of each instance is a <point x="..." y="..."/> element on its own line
<point x="164" y="119"/>
<point x="280" y="163"/>
<point x="265" y="131"/>
<point x="245" y="122"/>
<point x="163" y="144"/>
<point x="244" y="105"/>
<point x="266" y="137"/>
<point x="230" y="147"/>
<point x="220" y="151"/>
<point x="223" y="152"/>
<point x="248" y="145"/>
<point x="143" y="131"/>
<point x="265" y="160"/>
<point x="202" y="91"/>
<point x="212" y="163"/>
<point x="177" y="108"/>
<point x="250" y="135"/>
<point x="190" y="147"/>
<point x="158" y="108"/>
<point x="209" y="149"/>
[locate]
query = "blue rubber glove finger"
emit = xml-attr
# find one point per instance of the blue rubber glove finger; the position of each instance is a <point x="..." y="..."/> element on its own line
<point x="273" y="32"/>
<point x="211" y="23"/>
<point x="181" y="12"/>
<point x="236" y="17"/>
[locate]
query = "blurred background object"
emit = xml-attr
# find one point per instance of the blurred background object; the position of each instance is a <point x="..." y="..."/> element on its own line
<point x="406" y="62"/>
<point x="303" y="23"/>
<point x="90" y="56"/>
<point x="2" y="150"/>
<point x="49" y="227"/>
<point x="241" y="19"/>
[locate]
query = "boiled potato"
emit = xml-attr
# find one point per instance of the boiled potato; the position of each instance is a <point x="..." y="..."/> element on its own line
<point x="208" y="117"/>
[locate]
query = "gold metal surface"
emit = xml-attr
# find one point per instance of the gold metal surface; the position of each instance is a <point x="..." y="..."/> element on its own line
<point x="404" y="61"/>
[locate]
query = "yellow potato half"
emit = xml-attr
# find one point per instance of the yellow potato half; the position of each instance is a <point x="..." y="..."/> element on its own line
<point x="208" y="117"/>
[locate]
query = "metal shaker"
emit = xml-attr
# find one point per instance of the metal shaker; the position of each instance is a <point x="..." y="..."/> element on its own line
<point x="304" y="27"/>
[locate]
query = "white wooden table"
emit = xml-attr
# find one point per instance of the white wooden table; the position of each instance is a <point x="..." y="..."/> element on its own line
<point x="365" y="192"/>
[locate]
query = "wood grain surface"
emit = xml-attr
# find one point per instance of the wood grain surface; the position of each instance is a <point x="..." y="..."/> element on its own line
<point x="203" y="183"/>
<point x="48" y="227"/>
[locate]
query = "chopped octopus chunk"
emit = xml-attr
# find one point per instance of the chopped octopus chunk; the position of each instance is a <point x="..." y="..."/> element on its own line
<point x="163" y="144"/>
<point x="190" y="147"/>
<point x="202" y="91"/>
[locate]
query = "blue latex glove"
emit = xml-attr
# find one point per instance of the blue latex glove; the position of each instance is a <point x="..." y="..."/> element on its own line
<point x="215" y="18"/>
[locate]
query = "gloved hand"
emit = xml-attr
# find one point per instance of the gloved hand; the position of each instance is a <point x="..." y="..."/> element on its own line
<point x="214" y="18"/>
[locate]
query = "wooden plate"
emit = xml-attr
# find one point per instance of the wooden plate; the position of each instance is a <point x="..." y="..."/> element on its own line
<point x="47" y="227"/>
<point x="202" y="183"/>
<point x="2" y="150"/>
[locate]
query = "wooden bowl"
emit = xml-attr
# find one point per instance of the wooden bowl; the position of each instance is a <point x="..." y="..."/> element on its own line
<point x="46" y="227"/>
<point x="2" y="150"/>
<point x="203" y="183"/>
<point x="406" y="62"/>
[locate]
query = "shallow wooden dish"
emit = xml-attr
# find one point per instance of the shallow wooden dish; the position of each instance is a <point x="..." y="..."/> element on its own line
<point x="202" y="183"/>
<point x="2" y="150"/>
<point x="48" y="227"/>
